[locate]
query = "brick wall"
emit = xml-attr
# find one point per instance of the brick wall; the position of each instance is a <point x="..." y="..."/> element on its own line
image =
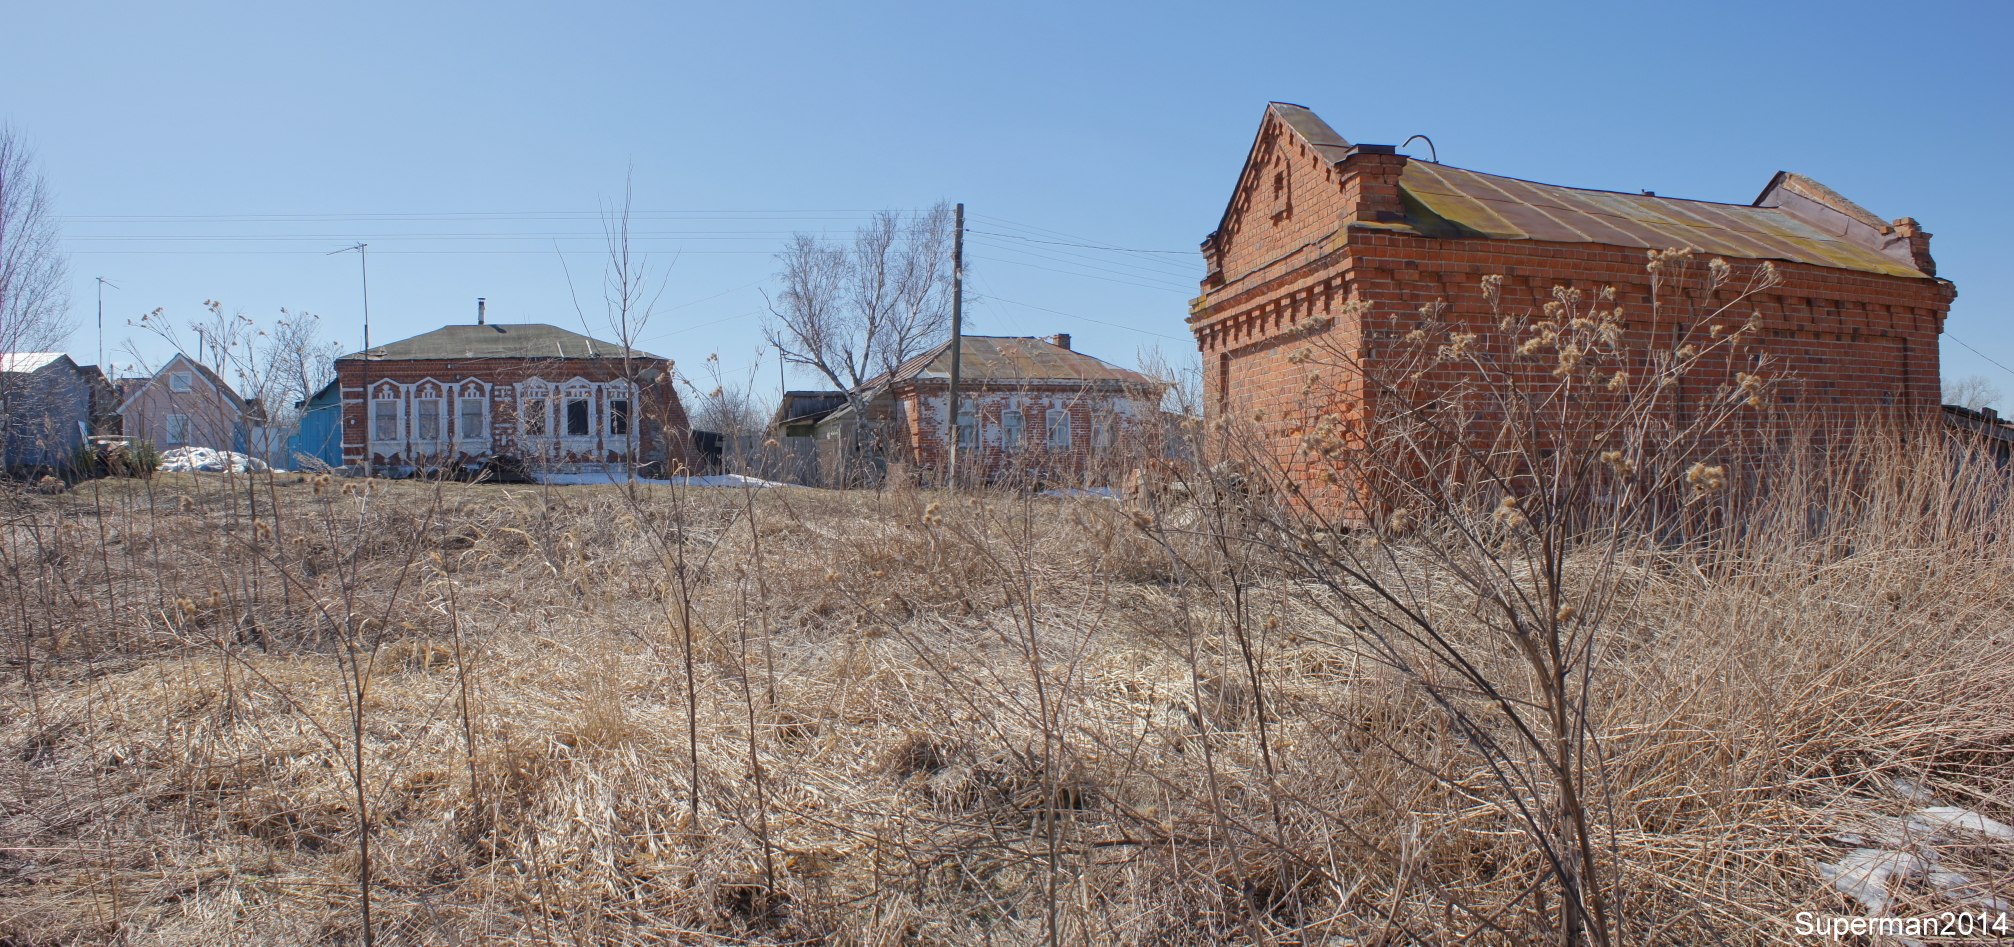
<point x="657" y="416"/>
<point x="1840" y="344"/>
<point x="919" y="413"/>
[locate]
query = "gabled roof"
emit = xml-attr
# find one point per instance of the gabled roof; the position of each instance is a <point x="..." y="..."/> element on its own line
<point x="1815" y="226"/>
<point x="496" y="340"/>
<point x="24" y="363"/>
<point x="800" y="407"/>
<point x="1010" y="359"/>
<point x="181" y="362"/>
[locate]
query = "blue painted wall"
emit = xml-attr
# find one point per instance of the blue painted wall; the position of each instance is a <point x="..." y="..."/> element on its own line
<point x="321" y="435"/>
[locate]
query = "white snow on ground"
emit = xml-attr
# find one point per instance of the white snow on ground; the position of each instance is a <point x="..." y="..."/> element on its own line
<point x="715" y="480"/>
<point x="1894" y="850"/>
<point x="1099" y="493"/>
<point x="208" y="460"/>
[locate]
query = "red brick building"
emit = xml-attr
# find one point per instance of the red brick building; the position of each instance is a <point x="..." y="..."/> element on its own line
<point x="1033" y="409"/>
<point x="462" y="396"/>
<point x="1342" y="244"/>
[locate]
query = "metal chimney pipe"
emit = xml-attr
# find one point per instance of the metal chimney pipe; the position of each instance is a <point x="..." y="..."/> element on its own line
<point x="480" y="320"/>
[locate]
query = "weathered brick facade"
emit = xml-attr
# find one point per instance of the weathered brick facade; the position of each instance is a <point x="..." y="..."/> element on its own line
<point x="1036" y="410"/>
<point x="1317" y="224"/>
<point x="404" y="411"/>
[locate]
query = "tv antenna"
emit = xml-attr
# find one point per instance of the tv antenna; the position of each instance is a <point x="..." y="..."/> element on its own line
<point x="363" y="262"/>
<point x="102" y="283"/>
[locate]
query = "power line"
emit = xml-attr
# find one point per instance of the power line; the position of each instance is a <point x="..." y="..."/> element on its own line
<point x="1107" y="279"/>
<point x="1087" y="246"/>
<point x="1102" y="322"/>
<point x="1142" y="273"/>
<point x="1995" y="362"/>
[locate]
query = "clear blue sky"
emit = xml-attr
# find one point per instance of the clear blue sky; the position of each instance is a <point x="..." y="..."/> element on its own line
<point x="202" y="150"/>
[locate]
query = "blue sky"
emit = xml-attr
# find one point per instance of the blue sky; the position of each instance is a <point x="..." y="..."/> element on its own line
<point x="220" y="150"/>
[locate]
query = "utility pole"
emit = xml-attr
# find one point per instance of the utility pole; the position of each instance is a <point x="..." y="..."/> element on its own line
<point x="363" y="261"/>
<point x="102" y="283"/>
<point x="957" y="340"/>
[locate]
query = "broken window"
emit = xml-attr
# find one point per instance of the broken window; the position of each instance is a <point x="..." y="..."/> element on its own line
<point x="534" y="417"/>
<point x="577" y="418"/>
<point x="1010" y="430"/>
<point x="618" y="417"/>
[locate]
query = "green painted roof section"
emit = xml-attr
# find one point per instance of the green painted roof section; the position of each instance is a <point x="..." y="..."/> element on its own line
<point x="1441" y="201"/>
<point x="530" y="340"/>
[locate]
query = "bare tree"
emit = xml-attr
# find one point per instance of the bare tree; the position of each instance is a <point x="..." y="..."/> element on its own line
<point x="849" y="313"/>
<point x="628" y="301"/>
<point x="1971" y="392"/>
<point x="34" y="303"/>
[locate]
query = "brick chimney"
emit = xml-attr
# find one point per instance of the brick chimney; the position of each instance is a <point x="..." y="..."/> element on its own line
<point x="1060" y="340"/>
<point x="1370" y="179"/>
<point x="1919" y="244"/>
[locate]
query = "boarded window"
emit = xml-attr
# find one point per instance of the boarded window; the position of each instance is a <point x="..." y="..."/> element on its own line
<point x="576" y="418"/>
<point x="534" y="417"/>
<point x="427" y="419"/>
<point x="618" y="417"/>
<point x="384" y="420"/>
<point x="1101" y="431"/>
<point x="473" y="422"/>
<point x="968" y="430"/>
<point x="1058" y="423"/>
<point x="1010" y="430"/>
<point x="178" y="429"/>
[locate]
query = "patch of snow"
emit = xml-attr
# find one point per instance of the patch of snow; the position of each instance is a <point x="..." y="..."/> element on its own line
<point x="209" y="460"/>
<point x="1101" y="493"/>
<point x="613" y="477"/>
<point x="1951" y="817"/>
<point x="1864" y="875"/>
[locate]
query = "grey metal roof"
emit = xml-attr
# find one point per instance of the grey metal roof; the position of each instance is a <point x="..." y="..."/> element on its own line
<point x="991" y="359"/>
<point x="530" y="340"/>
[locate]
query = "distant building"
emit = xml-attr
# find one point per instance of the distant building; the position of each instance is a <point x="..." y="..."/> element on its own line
<point x="1031" y="409"/>
<point x="185" y="404"/>
<point x="545" y="397"/>
<point x="46" y="400"/>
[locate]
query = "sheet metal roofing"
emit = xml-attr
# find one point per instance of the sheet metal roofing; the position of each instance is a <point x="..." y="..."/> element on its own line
<point x="991" y="358"/>
<point x="26" y="362"/>
<point x="495" y="340"/>
<point x="1442" y="201"/>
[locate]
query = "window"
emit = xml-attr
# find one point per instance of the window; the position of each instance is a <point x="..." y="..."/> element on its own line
<point x="427" y="420"/>
<point x="384" y="420"/>
<point x="1058" y="423"/>
<point x="1101" y="432"/>
<point x="471" y="420"/>
<point x="178" y="430"/>
<point x="618" y="417"/>
<point x="181" y="381"/>
<point x="534" y="417"/>
<point x="968" y="430"/>
<point x="576" y="417"/>
<point x="1010" y="430"/>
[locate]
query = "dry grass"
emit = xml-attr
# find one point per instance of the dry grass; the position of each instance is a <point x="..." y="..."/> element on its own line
<point x="919" y="718"/>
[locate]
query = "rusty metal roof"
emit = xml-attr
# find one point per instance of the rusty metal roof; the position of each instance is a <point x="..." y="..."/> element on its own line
<point x="1451" y="202"/>
<point x="995" y="359"/>
<point x="496" y="340"/>
<point x="1824" y="229"/>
